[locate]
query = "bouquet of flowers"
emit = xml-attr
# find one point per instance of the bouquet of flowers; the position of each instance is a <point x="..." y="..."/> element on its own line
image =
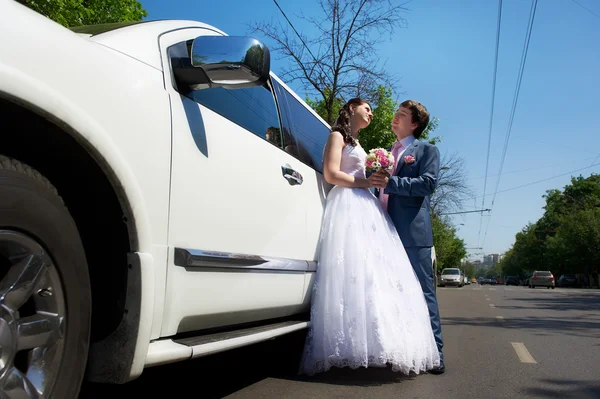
<point x="379" y="159"/>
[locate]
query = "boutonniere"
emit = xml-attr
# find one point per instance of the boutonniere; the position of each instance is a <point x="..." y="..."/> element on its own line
<point x="409" y="159"/>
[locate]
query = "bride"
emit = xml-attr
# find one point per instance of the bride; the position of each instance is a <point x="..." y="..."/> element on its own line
<point x="368" y="309"/>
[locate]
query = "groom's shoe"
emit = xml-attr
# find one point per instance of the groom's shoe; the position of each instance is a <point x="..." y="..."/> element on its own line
<point x="439" y="370"/>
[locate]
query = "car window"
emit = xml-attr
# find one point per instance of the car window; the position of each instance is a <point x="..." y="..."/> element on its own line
<point x="252" y="108"/>
<point x="451" y="271"/>
<point x="304" y="135"/>
<point x="544" y="274"/>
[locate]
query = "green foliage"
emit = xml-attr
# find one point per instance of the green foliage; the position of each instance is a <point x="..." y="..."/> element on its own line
<point x="449" y="249"/>
<point x="469" y="270"/>
<point x="566" y="239"/>
<point x="71" y="13"/>
<point x="379" y="133"/>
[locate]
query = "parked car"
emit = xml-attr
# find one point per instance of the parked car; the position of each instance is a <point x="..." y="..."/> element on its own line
<point x="542" y="278"/>
<point x="161" y="197"/>
<point x="512" y="280"/>
<point x="489" y="280"/>
<point x="567" y="280"/>
<point x="451" y="276"/>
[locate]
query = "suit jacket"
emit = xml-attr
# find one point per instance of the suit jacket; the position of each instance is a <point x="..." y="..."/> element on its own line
<point x="409" y="189"/>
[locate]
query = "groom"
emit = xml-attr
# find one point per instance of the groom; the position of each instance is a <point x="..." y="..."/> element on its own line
<point x="406" y="197"/>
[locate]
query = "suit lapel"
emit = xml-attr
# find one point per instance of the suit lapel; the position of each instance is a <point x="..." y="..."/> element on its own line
<point x="410" y="150"/>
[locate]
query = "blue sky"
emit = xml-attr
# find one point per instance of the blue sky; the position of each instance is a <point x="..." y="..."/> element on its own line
<point x="445" y="59"/>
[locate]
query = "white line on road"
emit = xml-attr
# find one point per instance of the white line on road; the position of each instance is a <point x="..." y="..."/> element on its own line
<point x="492" y="305"/>
<point x="487" y="299"/>
<point x="492" y="289"/>
<point x="522" y="352"/>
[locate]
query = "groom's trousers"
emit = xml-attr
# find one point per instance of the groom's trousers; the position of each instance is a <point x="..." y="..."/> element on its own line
<point x="420" y="258"/>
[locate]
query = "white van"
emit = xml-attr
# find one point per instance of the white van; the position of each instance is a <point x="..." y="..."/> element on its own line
<point x="161" y="196"/>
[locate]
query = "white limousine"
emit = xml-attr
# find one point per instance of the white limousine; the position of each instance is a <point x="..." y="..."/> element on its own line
<point x="161" y="195"/>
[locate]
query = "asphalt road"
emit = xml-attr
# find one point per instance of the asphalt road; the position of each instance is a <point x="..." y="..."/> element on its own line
<point x="500" y="342"/>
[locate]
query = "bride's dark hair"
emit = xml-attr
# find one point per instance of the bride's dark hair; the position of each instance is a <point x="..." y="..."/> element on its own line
<point x="342" y="123"/>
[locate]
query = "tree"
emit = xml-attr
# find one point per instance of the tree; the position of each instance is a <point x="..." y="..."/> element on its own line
<point x="344" y="61"/>
<point x="379" y="133"/>
<point x="566" y="239"/>
<point x="71" y="13"/>
<point x="449" y="249"/>
<point x="452" y="189"/>
<point x="469" y="269"/>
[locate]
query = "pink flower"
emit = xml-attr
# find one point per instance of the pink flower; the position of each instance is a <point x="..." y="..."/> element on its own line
<point x="409" y="159"/>
<point x="369" y="163"/>
<point x="380" y="153"/>
<point x="385" y="162"/>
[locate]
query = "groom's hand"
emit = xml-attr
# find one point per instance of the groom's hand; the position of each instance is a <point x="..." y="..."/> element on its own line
<point x="379" y="179"/>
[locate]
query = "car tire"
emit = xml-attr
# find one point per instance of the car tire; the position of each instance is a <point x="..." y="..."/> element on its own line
<point x="44" y="278"/>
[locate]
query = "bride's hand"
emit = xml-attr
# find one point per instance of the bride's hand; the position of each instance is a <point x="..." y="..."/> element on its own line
<point x="378" y="179"/>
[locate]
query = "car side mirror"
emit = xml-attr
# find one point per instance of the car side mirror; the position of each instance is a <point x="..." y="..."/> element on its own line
<point x="223" y="61"/>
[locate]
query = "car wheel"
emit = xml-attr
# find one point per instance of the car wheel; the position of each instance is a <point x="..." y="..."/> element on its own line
<point x="45" y="299"/>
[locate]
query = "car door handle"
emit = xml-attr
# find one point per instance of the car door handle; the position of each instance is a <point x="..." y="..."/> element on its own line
<point x="293" y="177"/>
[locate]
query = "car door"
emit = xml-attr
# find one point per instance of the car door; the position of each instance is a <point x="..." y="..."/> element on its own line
<point x="304" y="137"/>
<point x="237" y="222"/>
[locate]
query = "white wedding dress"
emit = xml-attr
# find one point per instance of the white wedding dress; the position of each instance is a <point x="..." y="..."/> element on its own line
<point x="368" y="309"/>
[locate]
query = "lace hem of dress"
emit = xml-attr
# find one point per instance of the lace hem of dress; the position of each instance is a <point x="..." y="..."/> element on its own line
<point x="383" y="361"/>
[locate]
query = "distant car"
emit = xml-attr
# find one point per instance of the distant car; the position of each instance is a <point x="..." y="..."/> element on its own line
<point x="567" y="280"/>
<point x="542" y="278"/>
<point x="512" y="280"/>
<point x="451" y="276"/>
<point x="473" y="280"/>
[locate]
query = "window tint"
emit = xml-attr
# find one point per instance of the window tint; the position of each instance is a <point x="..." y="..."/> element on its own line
<point x="451" y="271"/>
<point x="544" y="274"/>
<point x="304" y="135"/>
<point x="252" y="108"/>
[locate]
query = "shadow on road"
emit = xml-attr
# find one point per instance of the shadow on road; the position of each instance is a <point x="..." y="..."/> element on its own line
<point x="537" y="325"/>
<point x="214" y="376"/>
<point x="360" y="377"/>
<point x="565" y="302"/>
<point x="223" y="374"/>
<point x="565" y="389"/>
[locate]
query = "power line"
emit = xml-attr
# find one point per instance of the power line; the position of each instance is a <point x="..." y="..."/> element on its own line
<point x="515" y="102"/>
<point x="489" y="146"/>
<point x="536" y="168"/>
<point x="542" y="180"/>
<point x="585" y="8"/>
<point x="302" y="40"/>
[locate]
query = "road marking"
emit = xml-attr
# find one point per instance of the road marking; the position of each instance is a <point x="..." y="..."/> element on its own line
<point x="492" y="289"/>
<point x="487" y="299"/>
<point x="509" y="289"/>
<point x="492" y="305"/>
<point x="500" y="318"/>
<point x="523" y="353"/>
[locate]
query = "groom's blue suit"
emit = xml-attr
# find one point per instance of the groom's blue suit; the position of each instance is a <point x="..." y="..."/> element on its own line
<point x="409" y="189"/>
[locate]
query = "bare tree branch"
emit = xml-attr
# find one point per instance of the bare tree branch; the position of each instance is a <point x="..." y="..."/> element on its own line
<point x="452" y="188"/>
<point x="345" y="62"/>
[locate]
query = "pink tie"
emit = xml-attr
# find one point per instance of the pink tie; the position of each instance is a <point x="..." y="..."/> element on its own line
<point x="383" y="198"/>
